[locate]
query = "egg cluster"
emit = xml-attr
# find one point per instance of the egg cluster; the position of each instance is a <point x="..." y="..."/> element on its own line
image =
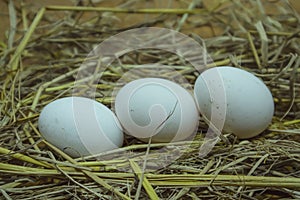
<point x="160" y="110"/>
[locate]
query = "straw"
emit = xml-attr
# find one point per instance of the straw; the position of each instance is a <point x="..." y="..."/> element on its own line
<point x="40" y="60"/>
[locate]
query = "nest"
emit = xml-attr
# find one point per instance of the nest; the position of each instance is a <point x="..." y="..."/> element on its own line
<point x="40" y="61"/>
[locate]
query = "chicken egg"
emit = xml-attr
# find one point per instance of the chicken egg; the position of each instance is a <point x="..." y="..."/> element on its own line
<point x="156" y="108"/>
<point x="238" y="98"/>
<point x="80" y="126"/>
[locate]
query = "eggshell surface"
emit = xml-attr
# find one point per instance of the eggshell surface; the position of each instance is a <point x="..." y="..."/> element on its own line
<point x="80" y="126"/>
<point x="247" y="103"/>
<point x="157" y="108"/>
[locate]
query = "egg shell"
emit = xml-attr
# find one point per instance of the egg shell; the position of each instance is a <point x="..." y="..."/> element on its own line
<point x="156" y="107"/>
<point x="80" y="126"/>
<point x="246" y="101"/>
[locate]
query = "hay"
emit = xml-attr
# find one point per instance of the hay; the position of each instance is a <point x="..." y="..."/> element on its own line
<point x="41" y="66"/>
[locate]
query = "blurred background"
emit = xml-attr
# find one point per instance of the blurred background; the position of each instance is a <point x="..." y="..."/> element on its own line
<point x="126" y="19"/>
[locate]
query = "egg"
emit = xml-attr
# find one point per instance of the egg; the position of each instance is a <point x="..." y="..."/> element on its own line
<point x="80" y="126"/>
<point x="236" y="98"/>
<point x="156" y="108"/>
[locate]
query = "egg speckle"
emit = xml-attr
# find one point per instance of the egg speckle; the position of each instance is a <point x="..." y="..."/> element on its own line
<point x="80" y="126"/>
<point x="246" y="102"/>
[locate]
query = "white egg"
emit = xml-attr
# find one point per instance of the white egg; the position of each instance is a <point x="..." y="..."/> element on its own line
<point x="235" y="97"/>
<point x="80" y="126"/>
<point x="158" y="108"/>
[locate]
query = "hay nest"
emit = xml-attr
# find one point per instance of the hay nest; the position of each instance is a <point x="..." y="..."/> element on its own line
<point x="40" y="61"/>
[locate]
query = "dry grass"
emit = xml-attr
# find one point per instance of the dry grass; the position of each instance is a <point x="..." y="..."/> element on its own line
<point x="42" y="64"/>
